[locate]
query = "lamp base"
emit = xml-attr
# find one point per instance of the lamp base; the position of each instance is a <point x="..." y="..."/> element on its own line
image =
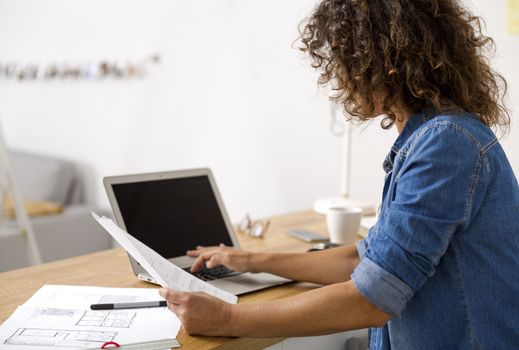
<point x="322" y="205"/>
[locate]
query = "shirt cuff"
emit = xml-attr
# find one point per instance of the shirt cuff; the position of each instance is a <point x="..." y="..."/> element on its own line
<point x="381" y="288"/>
<point x="361" y="248"/>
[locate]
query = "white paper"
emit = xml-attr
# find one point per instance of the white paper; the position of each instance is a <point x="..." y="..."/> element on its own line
<point x="59" y="317"/>
<point x="163" y="271"/>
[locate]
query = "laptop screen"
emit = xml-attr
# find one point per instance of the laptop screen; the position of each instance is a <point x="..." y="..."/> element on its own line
<point x="172" y="215"/>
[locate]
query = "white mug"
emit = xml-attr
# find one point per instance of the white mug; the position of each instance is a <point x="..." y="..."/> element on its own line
<point x="343" y="224"/>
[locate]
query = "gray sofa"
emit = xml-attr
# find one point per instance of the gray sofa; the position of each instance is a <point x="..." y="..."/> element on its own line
<point x="70" y="233"/>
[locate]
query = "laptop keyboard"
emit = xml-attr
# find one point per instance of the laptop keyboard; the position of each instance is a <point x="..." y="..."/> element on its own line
<point x="215" y="273"/>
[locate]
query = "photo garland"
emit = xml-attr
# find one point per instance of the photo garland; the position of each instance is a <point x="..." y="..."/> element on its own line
<point x="118" y="69"/>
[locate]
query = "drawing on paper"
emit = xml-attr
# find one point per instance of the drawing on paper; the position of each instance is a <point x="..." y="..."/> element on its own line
<point x="115" y="319"/>
<point x="50" y="315"/>
<point x="59" y="337"/>
<point x="68" y="299"/>
<point x="109" y="299"/>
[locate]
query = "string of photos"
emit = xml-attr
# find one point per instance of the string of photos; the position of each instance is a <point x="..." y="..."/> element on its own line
<point x="118" y="69"/>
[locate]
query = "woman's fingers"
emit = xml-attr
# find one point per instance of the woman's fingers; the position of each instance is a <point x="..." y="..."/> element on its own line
<point x="172" y="296"/>
<point x="214" y="256"/>
<point x="201" y="249"/>
<point x="198" y="264"/>
<point x="203" y="254"/>
<point x="215" y="261"/>
<point x="198" y="312"/>
<point x="196" y="252"/>
<point x="201" y="260"/>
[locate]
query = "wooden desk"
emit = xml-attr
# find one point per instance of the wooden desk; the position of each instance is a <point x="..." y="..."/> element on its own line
<point x="111" y="268"/>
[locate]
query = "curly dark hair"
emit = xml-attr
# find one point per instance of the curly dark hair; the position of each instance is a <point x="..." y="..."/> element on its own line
<point x="417" y="53"/>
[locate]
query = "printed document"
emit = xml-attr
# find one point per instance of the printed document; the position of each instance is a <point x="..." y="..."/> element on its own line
<point x="163" y="271"/>
<point x="59" y="317"/>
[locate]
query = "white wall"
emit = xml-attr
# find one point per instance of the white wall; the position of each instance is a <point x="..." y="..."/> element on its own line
<point x="504" y="61"/>
<point x="230" y="93"/>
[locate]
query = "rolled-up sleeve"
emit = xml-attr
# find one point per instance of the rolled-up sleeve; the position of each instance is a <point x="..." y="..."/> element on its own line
<point x="431" y="197"/>
<point x="361" y="248"/>
<point x="386" y="291"/>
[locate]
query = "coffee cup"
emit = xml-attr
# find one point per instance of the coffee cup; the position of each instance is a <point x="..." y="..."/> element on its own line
<point x="343" y="224"/>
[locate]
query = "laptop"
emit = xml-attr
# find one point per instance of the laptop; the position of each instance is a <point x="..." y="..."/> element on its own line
<point x="172" y="212"/>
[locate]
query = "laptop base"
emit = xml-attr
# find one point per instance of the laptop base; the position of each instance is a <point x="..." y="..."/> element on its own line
<point x="238" y="284"/>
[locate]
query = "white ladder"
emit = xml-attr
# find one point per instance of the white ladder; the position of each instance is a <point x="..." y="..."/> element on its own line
<point x="22" y="218"/>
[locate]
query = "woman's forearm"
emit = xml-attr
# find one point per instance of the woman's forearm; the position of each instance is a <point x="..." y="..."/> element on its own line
<point x="326" y="310"/>
<point x="323" y="267"/>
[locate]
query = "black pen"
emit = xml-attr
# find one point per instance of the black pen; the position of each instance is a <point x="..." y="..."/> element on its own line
<point x="136" y="305"/>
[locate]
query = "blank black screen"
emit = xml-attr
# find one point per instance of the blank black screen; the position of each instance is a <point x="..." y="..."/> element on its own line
<point x="172" y="215"/>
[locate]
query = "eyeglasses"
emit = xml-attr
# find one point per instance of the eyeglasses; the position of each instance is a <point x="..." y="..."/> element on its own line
<point x="255" y="229"/>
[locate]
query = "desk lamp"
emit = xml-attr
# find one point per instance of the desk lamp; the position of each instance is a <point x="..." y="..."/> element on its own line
<point x="340" y="128"/>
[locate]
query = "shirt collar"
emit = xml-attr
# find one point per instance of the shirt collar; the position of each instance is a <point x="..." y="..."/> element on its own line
<point x="414" y="122"/>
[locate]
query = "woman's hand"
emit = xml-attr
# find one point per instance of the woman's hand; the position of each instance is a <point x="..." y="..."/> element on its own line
<point x="199" y="313"/>
<point x="234" y="259"/>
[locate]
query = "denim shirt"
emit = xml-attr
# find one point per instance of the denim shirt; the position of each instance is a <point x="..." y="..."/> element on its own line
<point x="443" y="257"/>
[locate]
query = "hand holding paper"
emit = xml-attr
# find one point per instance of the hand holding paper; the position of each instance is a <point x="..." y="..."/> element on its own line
<point x="164" y="272"/>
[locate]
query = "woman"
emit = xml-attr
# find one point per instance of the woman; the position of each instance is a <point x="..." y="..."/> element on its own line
<point x="440" y="269"/>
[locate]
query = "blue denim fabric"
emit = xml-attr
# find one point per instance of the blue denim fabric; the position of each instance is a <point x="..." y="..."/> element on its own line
<point x="443" y="258"/>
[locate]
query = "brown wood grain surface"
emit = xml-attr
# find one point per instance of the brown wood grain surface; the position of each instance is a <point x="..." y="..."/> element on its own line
<point x="111" y="268"/>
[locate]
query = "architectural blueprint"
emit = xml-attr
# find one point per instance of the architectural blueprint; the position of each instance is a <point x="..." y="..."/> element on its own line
<point x="60" y="317"/>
